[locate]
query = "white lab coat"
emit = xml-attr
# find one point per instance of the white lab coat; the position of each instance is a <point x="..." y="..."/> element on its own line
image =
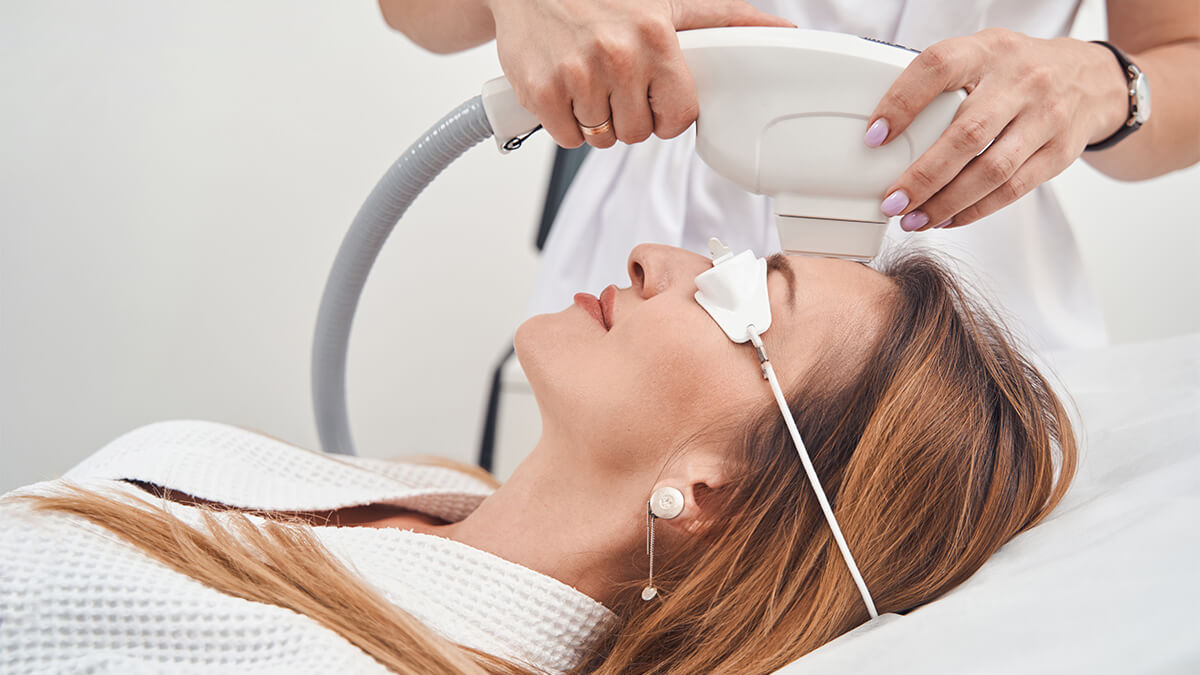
<point x="1024" y="257"/>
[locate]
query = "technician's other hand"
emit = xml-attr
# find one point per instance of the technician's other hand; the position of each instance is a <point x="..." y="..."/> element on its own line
<point x="1036" y="102"/>
<point x="608" y="63"/>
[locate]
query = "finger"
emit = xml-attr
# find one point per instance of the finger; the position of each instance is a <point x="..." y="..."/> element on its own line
<point x="591" y="108"/>
<point x="979" y="120"/>
<point x="672" y="97"/>
<point x="632" y="119"/>
<point x="690" y="15"/>
<point x="1041" y="167"/>
<point x="551" y="105"/>
<point x="944" y="66"/>
<point x="984" y="174"/>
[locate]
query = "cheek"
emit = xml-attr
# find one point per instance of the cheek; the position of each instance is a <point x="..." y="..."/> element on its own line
<point x="686" y="373"/>
<point x="647" y="384"/>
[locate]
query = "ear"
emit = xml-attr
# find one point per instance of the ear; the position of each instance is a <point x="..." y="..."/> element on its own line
<point x="698" y="473"/>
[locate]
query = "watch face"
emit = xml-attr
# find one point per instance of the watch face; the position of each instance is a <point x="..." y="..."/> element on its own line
<point x="1141" y="88"/>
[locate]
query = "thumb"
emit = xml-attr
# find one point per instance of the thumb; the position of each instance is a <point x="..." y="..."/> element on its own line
<point x="690" y="14"/>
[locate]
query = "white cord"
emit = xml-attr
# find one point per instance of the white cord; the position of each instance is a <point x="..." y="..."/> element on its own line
<point x="769" y="374"/>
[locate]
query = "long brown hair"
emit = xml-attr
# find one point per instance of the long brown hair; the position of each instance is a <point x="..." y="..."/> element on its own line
<point x="947" y="444"/>
<point x="943" y="448"/>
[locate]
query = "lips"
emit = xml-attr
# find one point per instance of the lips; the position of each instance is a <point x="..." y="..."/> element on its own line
<point x="591" y="305"/>
<point x="601" y="309"/>
<point x="608" y="299"/>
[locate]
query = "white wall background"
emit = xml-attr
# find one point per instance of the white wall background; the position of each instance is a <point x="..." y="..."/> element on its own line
<point x="175" y="179"/>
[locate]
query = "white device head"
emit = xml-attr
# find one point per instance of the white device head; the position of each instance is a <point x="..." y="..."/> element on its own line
<point x="783" y="112"/>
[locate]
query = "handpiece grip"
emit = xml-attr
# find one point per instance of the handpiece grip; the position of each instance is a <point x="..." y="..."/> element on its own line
<point x="783" y="112"/>
<point x="508" y="119"/>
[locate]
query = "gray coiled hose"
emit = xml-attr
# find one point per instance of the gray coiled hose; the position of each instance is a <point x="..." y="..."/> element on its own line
<point x="443" y="143"/>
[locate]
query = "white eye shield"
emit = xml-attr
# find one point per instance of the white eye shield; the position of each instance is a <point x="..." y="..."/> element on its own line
<point x="734" y="293"/>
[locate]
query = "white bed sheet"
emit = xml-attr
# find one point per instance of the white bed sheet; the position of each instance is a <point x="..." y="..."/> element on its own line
<point x="1108" y="584"/>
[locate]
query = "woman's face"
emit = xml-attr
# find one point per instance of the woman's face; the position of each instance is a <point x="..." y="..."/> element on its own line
<point x="630" y="378"/>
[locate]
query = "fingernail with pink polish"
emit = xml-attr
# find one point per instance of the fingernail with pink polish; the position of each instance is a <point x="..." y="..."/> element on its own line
<point x="876" y="133"/>
<point x="914" y="221"/>
<point x="894" y="203"/>
<point x="943" y="224"/>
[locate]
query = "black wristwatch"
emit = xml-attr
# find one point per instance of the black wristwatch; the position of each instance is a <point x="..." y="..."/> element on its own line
<point x="1139" y="99"/>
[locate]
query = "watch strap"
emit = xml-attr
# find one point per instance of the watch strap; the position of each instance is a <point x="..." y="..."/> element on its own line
<point x="1131" y="124"/>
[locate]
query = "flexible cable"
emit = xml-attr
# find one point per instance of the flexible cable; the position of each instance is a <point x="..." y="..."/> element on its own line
<point x="444" y="142"/>
<point x="769" y="374"/>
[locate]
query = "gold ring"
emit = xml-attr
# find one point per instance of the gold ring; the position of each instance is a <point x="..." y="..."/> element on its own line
<point x="600" y="129"/>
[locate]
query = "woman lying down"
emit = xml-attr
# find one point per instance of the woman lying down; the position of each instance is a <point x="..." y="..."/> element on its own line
<point x="663" y="524"/>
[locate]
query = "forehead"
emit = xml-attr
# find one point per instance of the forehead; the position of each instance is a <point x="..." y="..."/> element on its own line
<point x="824" y="309"/>
<point x="831" y="275"/>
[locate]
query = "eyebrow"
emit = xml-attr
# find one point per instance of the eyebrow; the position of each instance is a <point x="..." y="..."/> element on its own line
<point x="779" y="263"/>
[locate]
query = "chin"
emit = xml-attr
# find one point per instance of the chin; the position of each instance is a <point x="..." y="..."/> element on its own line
<point x="540" y="344"/>
<point x="551" y="350"/>
<point x="526" y="344"/>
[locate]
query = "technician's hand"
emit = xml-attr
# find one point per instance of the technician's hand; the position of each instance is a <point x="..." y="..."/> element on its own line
<point x="1036" y="102"/>
<point x="613" y="65"/>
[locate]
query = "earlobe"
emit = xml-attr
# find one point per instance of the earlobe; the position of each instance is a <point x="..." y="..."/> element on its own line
<point x="698" y="477"/>
<point x="697" y="526"/>
<point x="697" y="511"/>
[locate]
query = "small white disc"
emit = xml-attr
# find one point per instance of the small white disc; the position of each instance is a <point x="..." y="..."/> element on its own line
<point x="649" y="592"/>
<point x="666" y="502"/>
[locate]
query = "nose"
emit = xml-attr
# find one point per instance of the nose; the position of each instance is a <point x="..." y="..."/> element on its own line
<point x="655" y="268"/>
